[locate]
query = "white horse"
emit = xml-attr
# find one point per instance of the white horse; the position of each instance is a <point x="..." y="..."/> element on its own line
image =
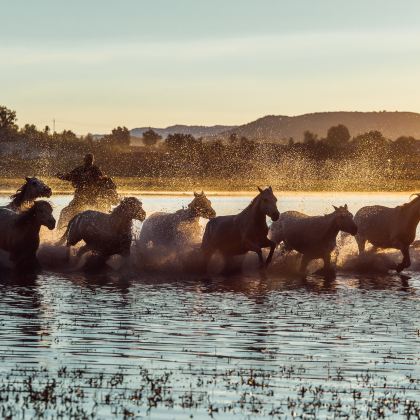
<point x="386" y="227"/>
<point x="105" y="234"/>
<point x="25" y="196"/>
<point x="312" y="236"/>
<point x="171" y="230"/>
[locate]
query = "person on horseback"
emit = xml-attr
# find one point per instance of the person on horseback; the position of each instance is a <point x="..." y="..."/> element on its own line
<point x="85" y="179"/>
<point x="93" y="190"/>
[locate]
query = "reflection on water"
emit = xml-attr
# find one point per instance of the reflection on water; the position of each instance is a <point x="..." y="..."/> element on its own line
<point x="172" y="345"/>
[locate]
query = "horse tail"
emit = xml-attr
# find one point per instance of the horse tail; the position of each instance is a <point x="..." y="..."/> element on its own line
<point x="63" y="239"/>
<point x="208" y="233"/>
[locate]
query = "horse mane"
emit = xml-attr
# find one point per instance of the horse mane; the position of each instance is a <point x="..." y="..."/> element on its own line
<point x="17" y="197"/>
<point x="408" y="205"/>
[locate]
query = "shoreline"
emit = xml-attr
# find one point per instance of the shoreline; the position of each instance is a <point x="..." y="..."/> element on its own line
<point x="223" y="193"/>
<point x="217" y="187"/>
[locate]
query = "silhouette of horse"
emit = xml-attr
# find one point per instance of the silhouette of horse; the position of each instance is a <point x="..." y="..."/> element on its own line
<point x="243" y="232"/>
<point x="20" y="233"/>
<point x="386" y="227"/>
<point x="25" y="196"/>
<point x="101" y="198"/>
<point x="105" y="234"/>
<point x="312" y="236"/>
<point x="170" y="230"/>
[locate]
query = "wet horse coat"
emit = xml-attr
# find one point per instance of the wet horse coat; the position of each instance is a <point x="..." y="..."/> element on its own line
<point x="386" y="227"/>
<point x="243" y="232"/>
<point x="312" y="236"/>
<point x="105" y="234"/>
<point x="25" y="196"/>
<point x="20" y="233"/>
<point x="170" y="230"/>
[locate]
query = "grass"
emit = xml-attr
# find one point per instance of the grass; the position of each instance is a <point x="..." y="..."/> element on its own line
<point x="150" y="185"/>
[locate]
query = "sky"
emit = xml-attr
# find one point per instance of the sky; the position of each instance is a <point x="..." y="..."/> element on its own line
<point x="93" y="65"/>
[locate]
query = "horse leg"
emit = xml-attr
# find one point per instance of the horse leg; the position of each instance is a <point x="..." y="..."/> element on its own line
<point x="303" y="264"/>
<point x="272" y="245"/>
<point x="82" y="250"/>
<point x="328" y="269"/>
<point x="257" y="249"/>
<point x="406" y="262"/>
<point x="361" y="243"/>
<point x="206" y="255"/>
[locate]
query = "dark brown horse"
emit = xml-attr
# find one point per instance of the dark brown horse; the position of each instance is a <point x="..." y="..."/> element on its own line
<point x="24" y="197"/>
<point x="20" y="233"/>
<point x="387" y="227"/>
<point x="246" y="231"/>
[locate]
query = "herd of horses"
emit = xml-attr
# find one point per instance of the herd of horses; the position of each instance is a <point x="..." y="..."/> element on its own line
<point x="110" y="233"/>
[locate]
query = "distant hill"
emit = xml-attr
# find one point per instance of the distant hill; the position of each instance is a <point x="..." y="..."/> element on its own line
<point x="195" y="130"/>
<point x="280" y="128"/>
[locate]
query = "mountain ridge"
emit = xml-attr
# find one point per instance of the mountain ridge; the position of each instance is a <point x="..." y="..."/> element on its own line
<point x="280" y="128"/>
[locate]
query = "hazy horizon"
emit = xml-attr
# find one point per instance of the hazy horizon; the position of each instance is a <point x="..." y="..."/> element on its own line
<point x="93" y="66"/>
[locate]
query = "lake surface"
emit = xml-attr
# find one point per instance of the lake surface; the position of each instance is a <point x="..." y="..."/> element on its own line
<point x="170" y="345"/>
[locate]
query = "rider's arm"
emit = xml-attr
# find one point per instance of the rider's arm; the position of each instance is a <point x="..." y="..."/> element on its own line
<point x="98" y="172"/>
<point x="68" y="176"/>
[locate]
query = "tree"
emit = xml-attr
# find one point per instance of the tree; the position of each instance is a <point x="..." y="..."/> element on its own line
<point x="150" y="137"/>
<point x="7" y="118"/>
<point x="233" y="139"/>
<point x="119" y="136"/>
<point x="8" y="127"/>
<point x="406" y="145"/>
<point x="181" y="142"/>
<point x="372" y="141"/>
<point x="338" y="135"/>
<point x="309" y="137"/>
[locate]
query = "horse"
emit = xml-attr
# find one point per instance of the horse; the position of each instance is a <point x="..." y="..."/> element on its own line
<point x="386" y="227"/>
<point x="105" y="234"/>
<point x="20" y="233"/>
<point x="170" y="230"/>
<point x="312" y="236"/>
<point x="25" y="196"/>
<point x="101" y="198"/>
<point x="247" y="231"/>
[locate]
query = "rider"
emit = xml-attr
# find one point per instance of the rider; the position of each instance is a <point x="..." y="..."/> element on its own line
<point x="84" y="179"/>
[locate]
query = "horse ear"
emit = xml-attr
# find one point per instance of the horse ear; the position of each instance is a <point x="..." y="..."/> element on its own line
<point x="345" y="207"/>
<point x="27" y="178"/>
<point x="202" y="192"/>
<point x="195" y="194"/>
<point x="270" y="188"/>
<point x="335" y="208"/>
<point x="260" y="190"/>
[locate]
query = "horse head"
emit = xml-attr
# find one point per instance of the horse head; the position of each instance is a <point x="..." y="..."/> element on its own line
<point x="132" y="208"/>
<point x="267" y="203"/>
<point x="201" y="206"/>
<point x="42" y="212"/>
<point x="35" y="188"/>
<point x="344" y="220"/>
<point x="415" y="203"/>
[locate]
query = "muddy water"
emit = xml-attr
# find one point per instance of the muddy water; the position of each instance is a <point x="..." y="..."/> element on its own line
<point x="172" y="346"/>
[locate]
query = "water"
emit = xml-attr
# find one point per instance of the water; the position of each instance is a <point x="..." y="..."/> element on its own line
<point x="252" y="345"/>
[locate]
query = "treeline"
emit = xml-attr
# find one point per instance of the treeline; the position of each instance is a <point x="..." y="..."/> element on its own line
<point x="28" y="149"/>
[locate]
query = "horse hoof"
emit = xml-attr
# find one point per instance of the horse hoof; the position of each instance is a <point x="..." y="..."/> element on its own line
<point x="399" y="268"/>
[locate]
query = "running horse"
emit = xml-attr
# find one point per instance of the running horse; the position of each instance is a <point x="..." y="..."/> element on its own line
<point x="171" y="230"/>
<point x="387" y="227"/>
<point x="312" y="236"/>
<point x="25" y="196"/>
<point x="247" y="231"/>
